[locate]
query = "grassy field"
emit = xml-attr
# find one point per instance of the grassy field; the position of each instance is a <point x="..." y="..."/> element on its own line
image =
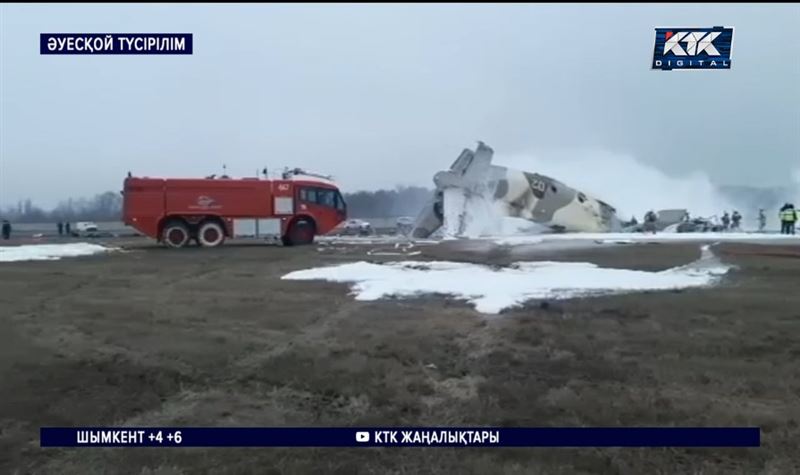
<point x="197" y="337"/>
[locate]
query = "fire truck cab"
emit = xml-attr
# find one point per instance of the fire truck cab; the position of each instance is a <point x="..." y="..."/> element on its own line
<point x="207" y="211"/>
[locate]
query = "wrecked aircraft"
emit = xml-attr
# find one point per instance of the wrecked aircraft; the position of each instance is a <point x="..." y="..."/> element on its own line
<point x="509" y="193"/>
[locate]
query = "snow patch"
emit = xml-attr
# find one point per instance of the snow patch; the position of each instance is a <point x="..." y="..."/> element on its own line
<point x="371" y="240"/>
<point x="492" y="290"/>
<point x="628" y="238"/>
<point x="48" y="252"/>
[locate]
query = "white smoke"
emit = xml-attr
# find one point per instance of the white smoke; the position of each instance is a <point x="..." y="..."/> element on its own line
<point x="625" y="183"/>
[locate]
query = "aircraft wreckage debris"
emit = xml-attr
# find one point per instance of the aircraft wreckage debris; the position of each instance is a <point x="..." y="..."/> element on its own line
<point x="473" y="194"/>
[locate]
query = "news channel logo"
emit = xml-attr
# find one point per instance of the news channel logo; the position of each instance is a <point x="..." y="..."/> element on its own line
<point x="693" y="48"/>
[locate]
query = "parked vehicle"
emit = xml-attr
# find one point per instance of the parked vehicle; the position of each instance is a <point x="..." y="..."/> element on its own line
<point x="207" y="211"/>
<point x="357" y="227"/>
<point x="85" y="229"/>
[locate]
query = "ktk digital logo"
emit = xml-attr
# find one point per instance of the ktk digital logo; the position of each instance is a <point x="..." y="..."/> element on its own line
<point x="693" y="48"/>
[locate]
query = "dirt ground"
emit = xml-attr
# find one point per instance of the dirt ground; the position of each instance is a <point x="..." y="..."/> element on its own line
<point x="196" y="337"/>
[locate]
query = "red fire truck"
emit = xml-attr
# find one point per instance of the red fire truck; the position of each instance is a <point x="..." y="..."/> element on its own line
<point x="207" y="211"/>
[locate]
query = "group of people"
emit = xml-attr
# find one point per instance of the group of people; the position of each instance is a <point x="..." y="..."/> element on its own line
<point x="788" y="216"/>
<point x="731" y="222"/>
<point x="63" y="228"/>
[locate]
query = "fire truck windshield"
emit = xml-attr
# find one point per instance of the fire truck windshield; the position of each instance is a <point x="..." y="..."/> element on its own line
<point x="326" y="198"/>
<point x="323" y="196"/>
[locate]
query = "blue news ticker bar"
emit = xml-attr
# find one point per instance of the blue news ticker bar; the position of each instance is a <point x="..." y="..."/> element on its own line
<point x="403" y="437"/>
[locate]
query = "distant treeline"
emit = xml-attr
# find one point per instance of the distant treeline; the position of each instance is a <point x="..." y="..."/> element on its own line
<point x="402" y="201"/>
<point x="103" y="207"/>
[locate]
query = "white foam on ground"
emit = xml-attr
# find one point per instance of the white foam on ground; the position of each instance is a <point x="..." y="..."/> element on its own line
<point x="628" y="238"/>
<point x="370" y="240"/>
<point x="48" y="252"/>
<point x="492" y="290"/>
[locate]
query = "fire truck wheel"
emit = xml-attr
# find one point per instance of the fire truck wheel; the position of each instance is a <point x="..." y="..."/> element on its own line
<point x="176" y="234"/>
<point x="210" y="234"/>
<point x="301" y="232"/>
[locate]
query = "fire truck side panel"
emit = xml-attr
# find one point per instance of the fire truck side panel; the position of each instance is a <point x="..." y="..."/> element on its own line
<point x="228" y="198"/>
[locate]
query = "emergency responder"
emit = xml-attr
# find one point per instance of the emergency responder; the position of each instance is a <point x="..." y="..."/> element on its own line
<point x="788" y="217"/>
<point x="781" y="215"/>
<point x="6" y="229"/>
<point x="650" y="222"/>
<point x="66" y="229"/>
<point x="60" y="227"/>
<point x="736" y="219"/>
<point x="726" y="221"/>
<point x="762" y="220"/>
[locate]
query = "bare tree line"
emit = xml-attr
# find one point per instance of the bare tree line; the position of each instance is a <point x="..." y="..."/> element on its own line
<point x="107" y="206"/>
<point x="102" y="207"/>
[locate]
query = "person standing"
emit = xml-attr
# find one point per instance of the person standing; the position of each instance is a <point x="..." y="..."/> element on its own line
<point x="762" y="220"/>
<point x="736" y="219"/>
<point x="650" y="222"/>
<point x="782" y="217"/>
<point x="788" y="217"/>
<point x="726" y="221"/>
<point x="6" y="230"/>
<point x="66" y="229"/>
<point x="60" y="226"/>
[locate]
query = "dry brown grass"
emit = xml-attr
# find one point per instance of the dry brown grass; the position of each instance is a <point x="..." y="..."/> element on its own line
<point x="215" y="338"/>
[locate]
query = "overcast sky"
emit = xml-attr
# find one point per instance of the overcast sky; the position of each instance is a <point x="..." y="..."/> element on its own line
<point x="380" y="95"/>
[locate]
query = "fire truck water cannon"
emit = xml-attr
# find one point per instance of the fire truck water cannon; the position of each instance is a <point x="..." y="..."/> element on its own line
<point x="206" y="211"/>
<point x="289" y="174"/>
